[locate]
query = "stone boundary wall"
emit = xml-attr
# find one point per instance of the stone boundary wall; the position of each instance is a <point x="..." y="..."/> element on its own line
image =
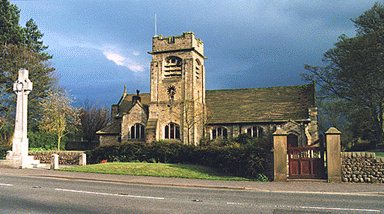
<point x="65" y="157"/>
<point x="362" y="167"/>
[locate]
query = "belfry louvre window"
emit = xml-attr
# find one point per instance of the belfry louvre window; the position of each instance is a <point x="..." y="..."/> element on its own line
<point x="219" y="132"/>
<point x="137" y="132"/>
<point x="198" y="69"/>
<point x="172" y="67"/>
<point x="172" y="131"/>
<point x="255" y="131"/>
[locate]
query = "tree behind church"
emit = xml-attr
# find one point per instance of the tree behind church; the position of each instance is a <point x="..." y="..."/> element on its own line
<point x="92" y="119"/>
<point x="21" y="47"/>
<point x="353" y="75"/>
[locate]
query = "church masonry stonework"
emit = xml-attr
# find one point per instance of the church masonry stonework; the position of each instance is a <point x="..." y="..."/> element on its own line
<point x="179" y="108"/>
<point x="177" y="103"/>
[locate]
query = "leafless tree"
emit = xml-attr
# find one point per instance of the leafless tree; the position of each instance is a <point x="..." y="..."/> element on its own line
<point x="92" y="119"/>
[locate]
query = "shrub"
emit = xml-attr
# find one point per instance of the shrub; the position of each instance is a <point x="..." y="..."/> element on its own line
<point x="361" y="147"/>
<point x="3" y="151"/>
<point x="246" y="161"/>
<point x="251" y="160"/>
<point x="163" y="152"/>
<point x="244" y="139"/>
<point x="43" y="140"/>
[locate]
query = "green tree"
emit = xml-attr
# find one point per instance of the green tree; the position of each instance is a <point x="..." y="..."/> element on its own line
<point x="5" y="131"/>
<point x="33" y="38"/>
<point x="59" y="117"/>
<point x="21" y="47"/>
<point x="11" y="32"/>
<point x="354" y="74"/>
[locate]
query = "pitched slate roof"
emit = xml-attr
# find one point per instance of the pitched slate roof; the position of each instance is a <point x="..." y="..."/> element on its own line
<point x="274" y="104"/>
<point x="126" y="104"/>
<point x="259" y="104"/>
<point x="113" y="128"/>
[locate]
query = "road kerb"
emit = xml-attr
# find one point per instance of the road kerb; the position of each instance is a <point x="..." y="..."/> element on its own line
<point x="212" y="186"/>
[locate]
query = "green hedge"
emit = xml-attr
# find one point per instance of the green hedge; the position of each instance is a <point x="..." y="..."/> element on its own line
<point x="158" y="152"/>
<point x="246" y="161"/>
<point x="42" y="140"/>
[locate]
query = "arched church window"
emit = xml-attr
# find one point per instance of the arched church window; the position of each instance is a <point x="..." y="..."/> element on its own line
<point x="172" y="131"/>
<point x="172" y="67"/>
<point x="219" y="132"/>
<point x="255" y="131"/>
<point x="198" y="69"/>
<point x="138" y="132"/>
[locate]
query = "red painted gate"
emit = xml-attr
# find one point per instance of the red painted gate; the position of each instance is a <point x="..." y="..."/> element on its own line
<point x="306" y="162"/>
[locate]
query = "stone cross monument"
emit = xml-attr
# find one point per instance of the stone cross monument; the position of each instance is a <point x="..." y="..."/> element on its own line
<point x="19" y="154"/>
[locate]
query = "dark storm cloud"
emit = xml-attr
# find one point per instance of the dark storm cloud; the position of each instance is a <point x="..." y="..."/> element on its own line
<point x="99" y="46"/>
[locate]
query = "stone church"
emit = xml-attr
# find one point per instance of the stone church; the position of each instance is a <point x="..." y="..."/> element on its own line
<point x="179" y="108"/>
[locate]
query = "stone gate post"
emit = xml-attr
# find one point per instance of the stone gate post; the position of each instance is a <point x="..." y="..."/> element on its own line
<point x="54" y="161"/>
<point x="280" y="155"/>
<point x="83" y="159"/>
<point x="333" y="143"/>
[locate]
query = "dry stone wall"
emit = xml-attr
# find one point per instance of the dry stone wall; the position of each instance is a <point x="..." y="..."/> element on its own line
<point x="362" y="167"/>
<point x="65" y="157"/>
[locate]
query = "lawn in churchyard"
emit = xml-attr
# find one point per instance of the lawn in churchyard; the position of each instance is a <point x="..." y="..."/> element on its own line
<point x="154" y="169"/>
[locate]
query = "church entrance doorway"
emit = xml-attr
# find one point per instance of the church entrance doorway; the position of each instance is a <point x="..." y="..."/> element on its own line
<point x="304" y="162"/>
<point x="292" y="140"/>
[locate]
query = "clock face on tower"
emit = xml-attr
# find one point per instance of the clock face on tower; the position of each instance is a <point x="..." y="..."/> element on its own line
<point x="171" y="90"/>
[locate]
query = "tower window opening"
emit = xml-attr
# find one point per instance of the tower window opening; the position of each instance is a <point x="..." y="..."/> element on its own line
<point x="197" y="69"/>
<point x="172" y="67"/>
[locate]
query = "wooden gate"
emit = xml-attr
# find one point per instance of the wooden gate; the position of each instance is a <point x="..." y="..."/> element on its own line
<point x="306" y="162"/>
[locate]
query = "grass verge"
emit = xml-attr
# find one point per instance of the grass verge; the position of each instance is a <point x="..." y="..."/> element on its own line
<point x="155" y="169"/>
<point x="379" y="154"/>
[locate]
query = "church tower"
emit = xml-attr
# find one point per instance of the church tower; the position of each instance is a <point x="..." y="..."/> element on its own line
<point x="177" y="105"/>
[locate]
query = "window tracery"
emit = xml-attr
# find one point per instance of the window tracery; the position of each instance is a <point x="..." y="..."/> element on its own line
<point x="138" y="132"/>
<point x="219" y="132"/>
<point x="172" y="131"/>
<point x="255" y="131"/>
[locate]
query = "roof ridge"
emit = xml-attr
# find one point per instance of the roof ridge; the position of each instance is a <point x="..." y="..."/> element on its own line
<point x="235" y="89"/>
<point x="271" y="87"/>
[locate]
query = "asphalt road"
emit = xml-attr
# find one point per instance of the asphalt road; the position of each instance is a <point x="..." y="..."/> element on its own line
<point x="52" y="195"/>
